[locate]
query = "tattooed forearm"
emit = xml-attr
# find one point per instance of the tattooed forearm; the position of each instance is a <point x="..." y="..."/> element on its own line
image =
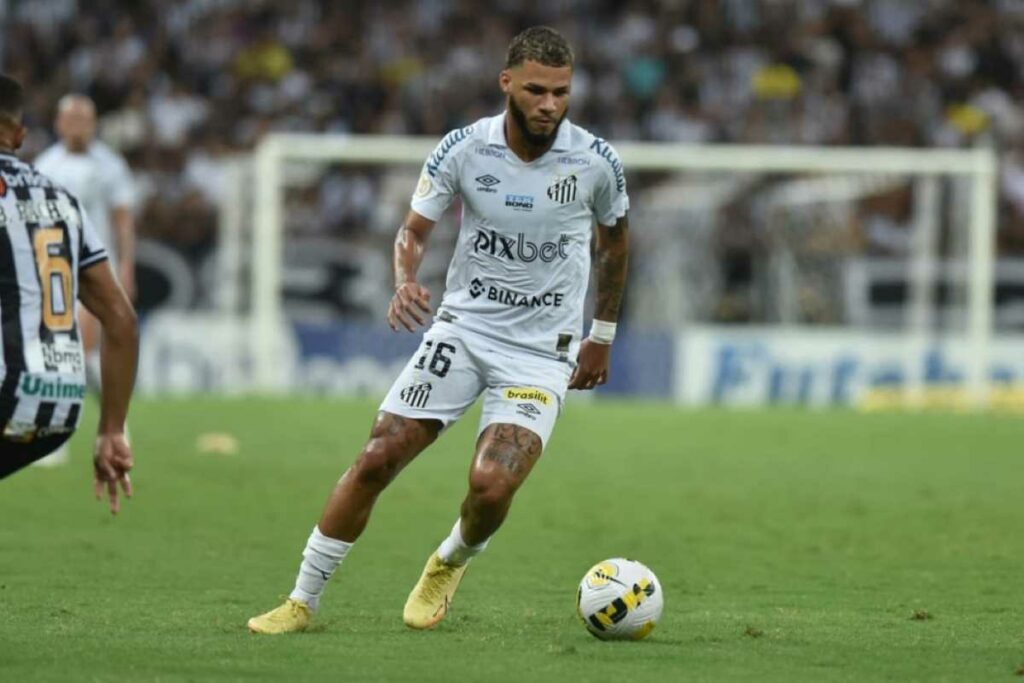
<point x="612" y="266"/>
<point x="513" y="447"/>
<point x="410" y="243"/>
<point x="407" y="256"/>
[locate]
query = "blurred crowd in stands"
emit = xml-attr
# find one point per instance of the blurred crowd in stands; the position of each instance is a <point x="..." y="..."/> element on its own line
<point x="181" y="84"/>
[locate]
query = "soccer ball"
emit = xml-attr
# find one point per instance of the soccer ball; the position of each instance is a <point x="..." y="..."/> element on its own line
<point x="619" y="599"/>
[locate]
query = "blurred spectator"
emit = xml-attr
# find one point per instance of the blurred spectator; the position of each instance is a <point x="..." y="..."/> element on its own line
<point x="175" y="113"/>
<point x="182" y="84"/>
<point x="363" y="66"/>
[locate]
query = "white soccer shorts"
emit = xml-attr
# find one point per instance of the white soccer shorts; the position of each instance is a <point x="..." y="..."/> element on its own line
<point x="452" y="367"/>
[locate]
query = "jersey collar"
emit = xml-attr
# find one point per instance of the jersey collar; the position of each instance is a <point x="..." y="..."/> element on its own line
<point x="496" y="134"/>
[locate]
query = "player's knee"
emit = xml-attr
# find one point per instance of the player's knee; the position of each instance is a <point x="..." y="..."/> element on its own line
<point x="378" y="464"/>
<point x="492" y="487"/>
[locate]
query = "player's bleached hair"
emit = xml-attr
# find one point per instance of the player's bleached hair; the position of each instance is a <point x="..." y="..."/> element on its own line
<point x="12" y="98"/>
<point x="541" y="44"/>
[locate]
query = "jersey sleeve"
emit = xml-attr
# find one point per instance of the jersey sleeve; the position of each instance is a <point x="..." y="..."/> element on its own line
<point x="91" y="250"/>
<point x="439" y="182"/>
<point x="121" y="188"/>
<point x="611" y="202"/>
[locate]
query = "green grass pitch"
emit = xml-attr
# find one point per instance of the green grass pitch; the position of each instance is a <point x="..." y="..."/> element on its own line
<point x="790" y="545"/>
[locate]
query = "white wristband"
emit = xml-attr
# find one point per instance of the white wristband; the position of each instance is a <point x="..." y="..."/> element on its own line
<point x="602" y="331"/>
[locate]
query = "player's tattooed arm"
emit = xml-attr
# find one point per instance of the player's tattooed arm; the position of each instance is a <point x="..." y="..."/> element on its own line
<point x="411" y="302"/>
<point x="612" y="261"/>
<point x="515" y="448"/>
<point x="410" y="242"/>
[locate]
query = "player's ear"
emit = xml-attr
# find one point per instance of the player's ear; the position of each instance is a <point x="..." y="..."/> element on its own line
<point x="505" y="81"/>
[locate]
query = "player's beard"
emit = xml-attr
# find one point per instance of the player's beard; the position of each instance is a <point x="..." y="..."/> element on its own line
<point x="533" y="139"/>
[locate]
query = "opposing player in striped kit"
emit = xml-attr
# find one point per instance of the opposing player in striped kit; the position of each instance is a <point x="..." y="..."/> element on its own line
<point x="536" y="190"/>
<point x="49" y="257"/>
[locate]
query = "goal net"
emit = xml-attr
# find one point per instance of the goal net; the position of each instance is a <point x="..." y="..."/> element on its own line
<point x="862" y="277"/>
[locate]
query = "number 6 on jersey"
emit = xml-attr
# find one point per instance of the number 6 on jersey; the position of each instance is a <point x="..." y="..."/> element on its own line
<point x="55" y="279"/>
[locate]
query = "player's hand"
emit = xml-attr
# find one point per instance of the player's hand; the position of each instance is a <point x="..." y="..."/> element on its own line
<point x="591" y="365"/>
<point x="410" y="306"/>
<point x="112" y="461"/>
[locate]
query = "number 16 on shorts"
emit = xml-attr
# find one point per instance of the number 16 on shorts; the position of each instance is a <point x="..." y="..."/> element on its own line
<point x="440" y="358"/>
<point x="440" y="382"/>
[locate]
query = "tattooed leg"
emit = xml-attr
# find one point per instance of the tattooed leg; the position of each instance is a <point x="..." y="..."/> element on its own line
<point x="506" y="454"/>
<point x="394" y="441"/>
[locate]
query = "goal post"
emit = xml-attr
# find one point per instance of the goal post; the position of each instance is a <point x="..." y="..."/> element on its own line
<point x="924" y="166"/>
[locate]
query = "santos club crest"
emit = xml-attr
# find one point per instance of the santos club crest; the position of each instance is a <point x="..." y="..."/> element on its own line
<point x="563" y="190"/>
<point x="416" y="395"/>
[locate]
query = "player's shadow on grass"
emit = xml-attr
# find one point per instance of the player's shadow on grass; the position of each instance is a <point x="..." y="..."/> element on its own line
<point x="646" y="642"/>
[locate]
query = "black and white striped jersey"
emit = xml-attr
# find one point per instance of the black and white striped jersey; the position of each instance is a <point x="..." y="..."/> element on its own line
<point x="46" y="240"/>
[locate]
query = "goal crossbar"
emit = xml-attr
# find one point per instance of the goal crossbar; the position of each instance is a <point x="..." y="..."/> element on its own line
<point x="979" y="164"/>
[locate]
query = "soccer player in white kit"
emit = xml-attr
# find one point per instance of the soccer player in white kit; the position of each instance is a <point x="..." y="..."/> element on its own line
<point x="533" y="186"/>
<point x="102" y="181"/>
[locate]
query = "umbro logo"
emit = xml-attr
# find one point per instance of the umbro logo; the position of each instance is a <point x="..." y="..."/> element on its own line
<point x="528" y="410"/>
<point x="487" y="182"/>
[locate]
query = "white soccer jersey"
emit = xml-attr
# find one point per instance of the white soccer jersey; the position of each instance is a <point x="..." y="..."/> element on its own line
<point x="99" y="178"/>
<point x="46" y="239"/>
<point x="522" y="260"/>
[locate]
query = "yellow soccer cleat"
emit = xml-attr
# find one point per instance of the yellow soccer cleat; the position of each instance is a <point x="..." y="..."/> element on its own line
<point x="432" y="596"/>
<point x="291" y="617"/>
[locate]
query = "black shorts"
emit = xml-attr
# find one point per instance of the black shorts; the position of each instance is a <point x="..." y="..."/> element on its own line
<point x="15" y="455"/>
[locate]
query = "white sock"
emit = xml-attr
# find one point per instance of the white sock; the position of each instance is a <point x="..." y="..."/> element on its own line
<point x="319" y="560"/>
<point x="455" y="551"/>
<point x="92" y="371"/>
